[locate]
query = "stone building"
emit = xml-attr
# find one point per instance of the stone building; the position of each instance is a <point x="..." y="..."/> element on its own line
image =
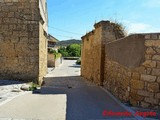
<point x="52" y="43"/>
<point x="23" y="40"/>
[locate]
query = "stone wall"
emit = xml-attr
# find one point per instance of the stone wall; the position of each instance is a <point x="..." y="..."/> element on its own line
<point x="20" y="41"/>
<point x="93" y="50"/>
<point x="58" y="61"/>
<point x="43" y="52"/>
<point x="44" y="13"/>
<point x="53" y="61"/>
<point x="130" y="69"/>
<point x="90" y="52"/>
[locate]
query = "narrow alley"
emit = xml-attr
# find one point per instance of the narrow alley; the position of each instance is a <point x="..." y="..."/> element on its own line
<point x="65" y="95"/>
<point x="79" y="60"/>
<point x="85" y="101"/>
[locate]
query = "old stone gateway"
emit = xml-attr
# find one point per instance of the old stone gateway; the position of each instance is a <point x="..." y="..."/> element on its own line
<point x="23" y="41"/>
<point x="129" y="67"/>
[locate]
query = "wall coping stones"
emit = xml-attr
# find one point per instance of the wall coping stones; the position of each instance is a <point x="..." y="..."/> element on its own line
<point x="127" y="37"/>
<point x="149" y="36"/>
<point x="152" y="36"/>
<point x="88" y="34"/>
<point x="101" y="23"/>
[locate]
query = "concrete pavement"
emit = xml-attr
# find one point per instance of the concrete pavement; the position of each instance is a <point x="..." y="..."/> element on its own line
<point x="35" y="107"/>
<point x="67" y="68"/>
<point x="9" y="90"/>
<point x="85" y="101"/>
<point x="65" y="95"/>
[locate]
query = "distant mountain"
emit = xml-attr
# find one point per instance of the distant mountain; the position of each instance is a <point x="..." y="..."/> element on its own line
<point x="68" y="42"/>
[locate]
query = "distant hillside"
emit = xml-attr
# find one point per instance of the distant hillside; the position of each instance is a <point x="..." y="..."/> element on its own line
<point x="68" y="42"/>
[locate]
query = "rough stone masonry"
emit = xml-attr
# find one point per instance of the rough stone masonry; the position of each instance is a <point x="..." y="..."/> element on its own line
<point x="128" y="67"/>
<point x="23" y="41"/>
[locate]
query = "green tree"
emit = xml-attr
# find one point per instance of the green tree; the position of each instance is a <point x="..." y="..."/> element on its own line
<point x="63" y="51"/>
<point x="74" y="50"/>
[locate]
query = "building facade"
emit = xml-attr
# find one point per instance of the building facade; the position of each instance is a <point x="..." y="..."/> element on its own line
<point x="23" y="40"/>
<point x="52" y="42"/>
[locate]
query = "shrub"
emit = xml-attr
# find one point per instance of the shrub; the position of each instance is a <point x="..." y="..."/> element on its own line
<point x="52" y="51"/>
<point x="57" y="55"/>
<point x="33" y="86"/>
<point x="78" y="62"/>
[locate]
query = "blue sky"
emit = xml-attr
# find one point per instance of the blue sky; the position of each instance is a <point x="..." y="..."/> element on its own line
<point x="70" y="19"/>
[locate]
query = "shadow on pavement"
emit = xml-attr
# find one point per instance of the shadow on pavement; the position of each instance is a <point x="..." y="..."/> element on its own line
<point x="10" y="82"/>
<point x="85" y="101"/>
<point x="76" y="66"/>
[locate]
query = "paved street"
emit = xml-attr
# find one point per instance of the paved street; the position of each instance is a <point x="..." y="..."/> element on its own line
<point x="85" y="101"/>
<point x="65" y="95"/>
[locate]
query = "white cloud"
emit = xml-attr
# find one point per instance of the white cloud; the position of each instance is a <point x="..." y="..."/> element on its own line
<point x="151" y="3"/>
<point x="135" y="27"/>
